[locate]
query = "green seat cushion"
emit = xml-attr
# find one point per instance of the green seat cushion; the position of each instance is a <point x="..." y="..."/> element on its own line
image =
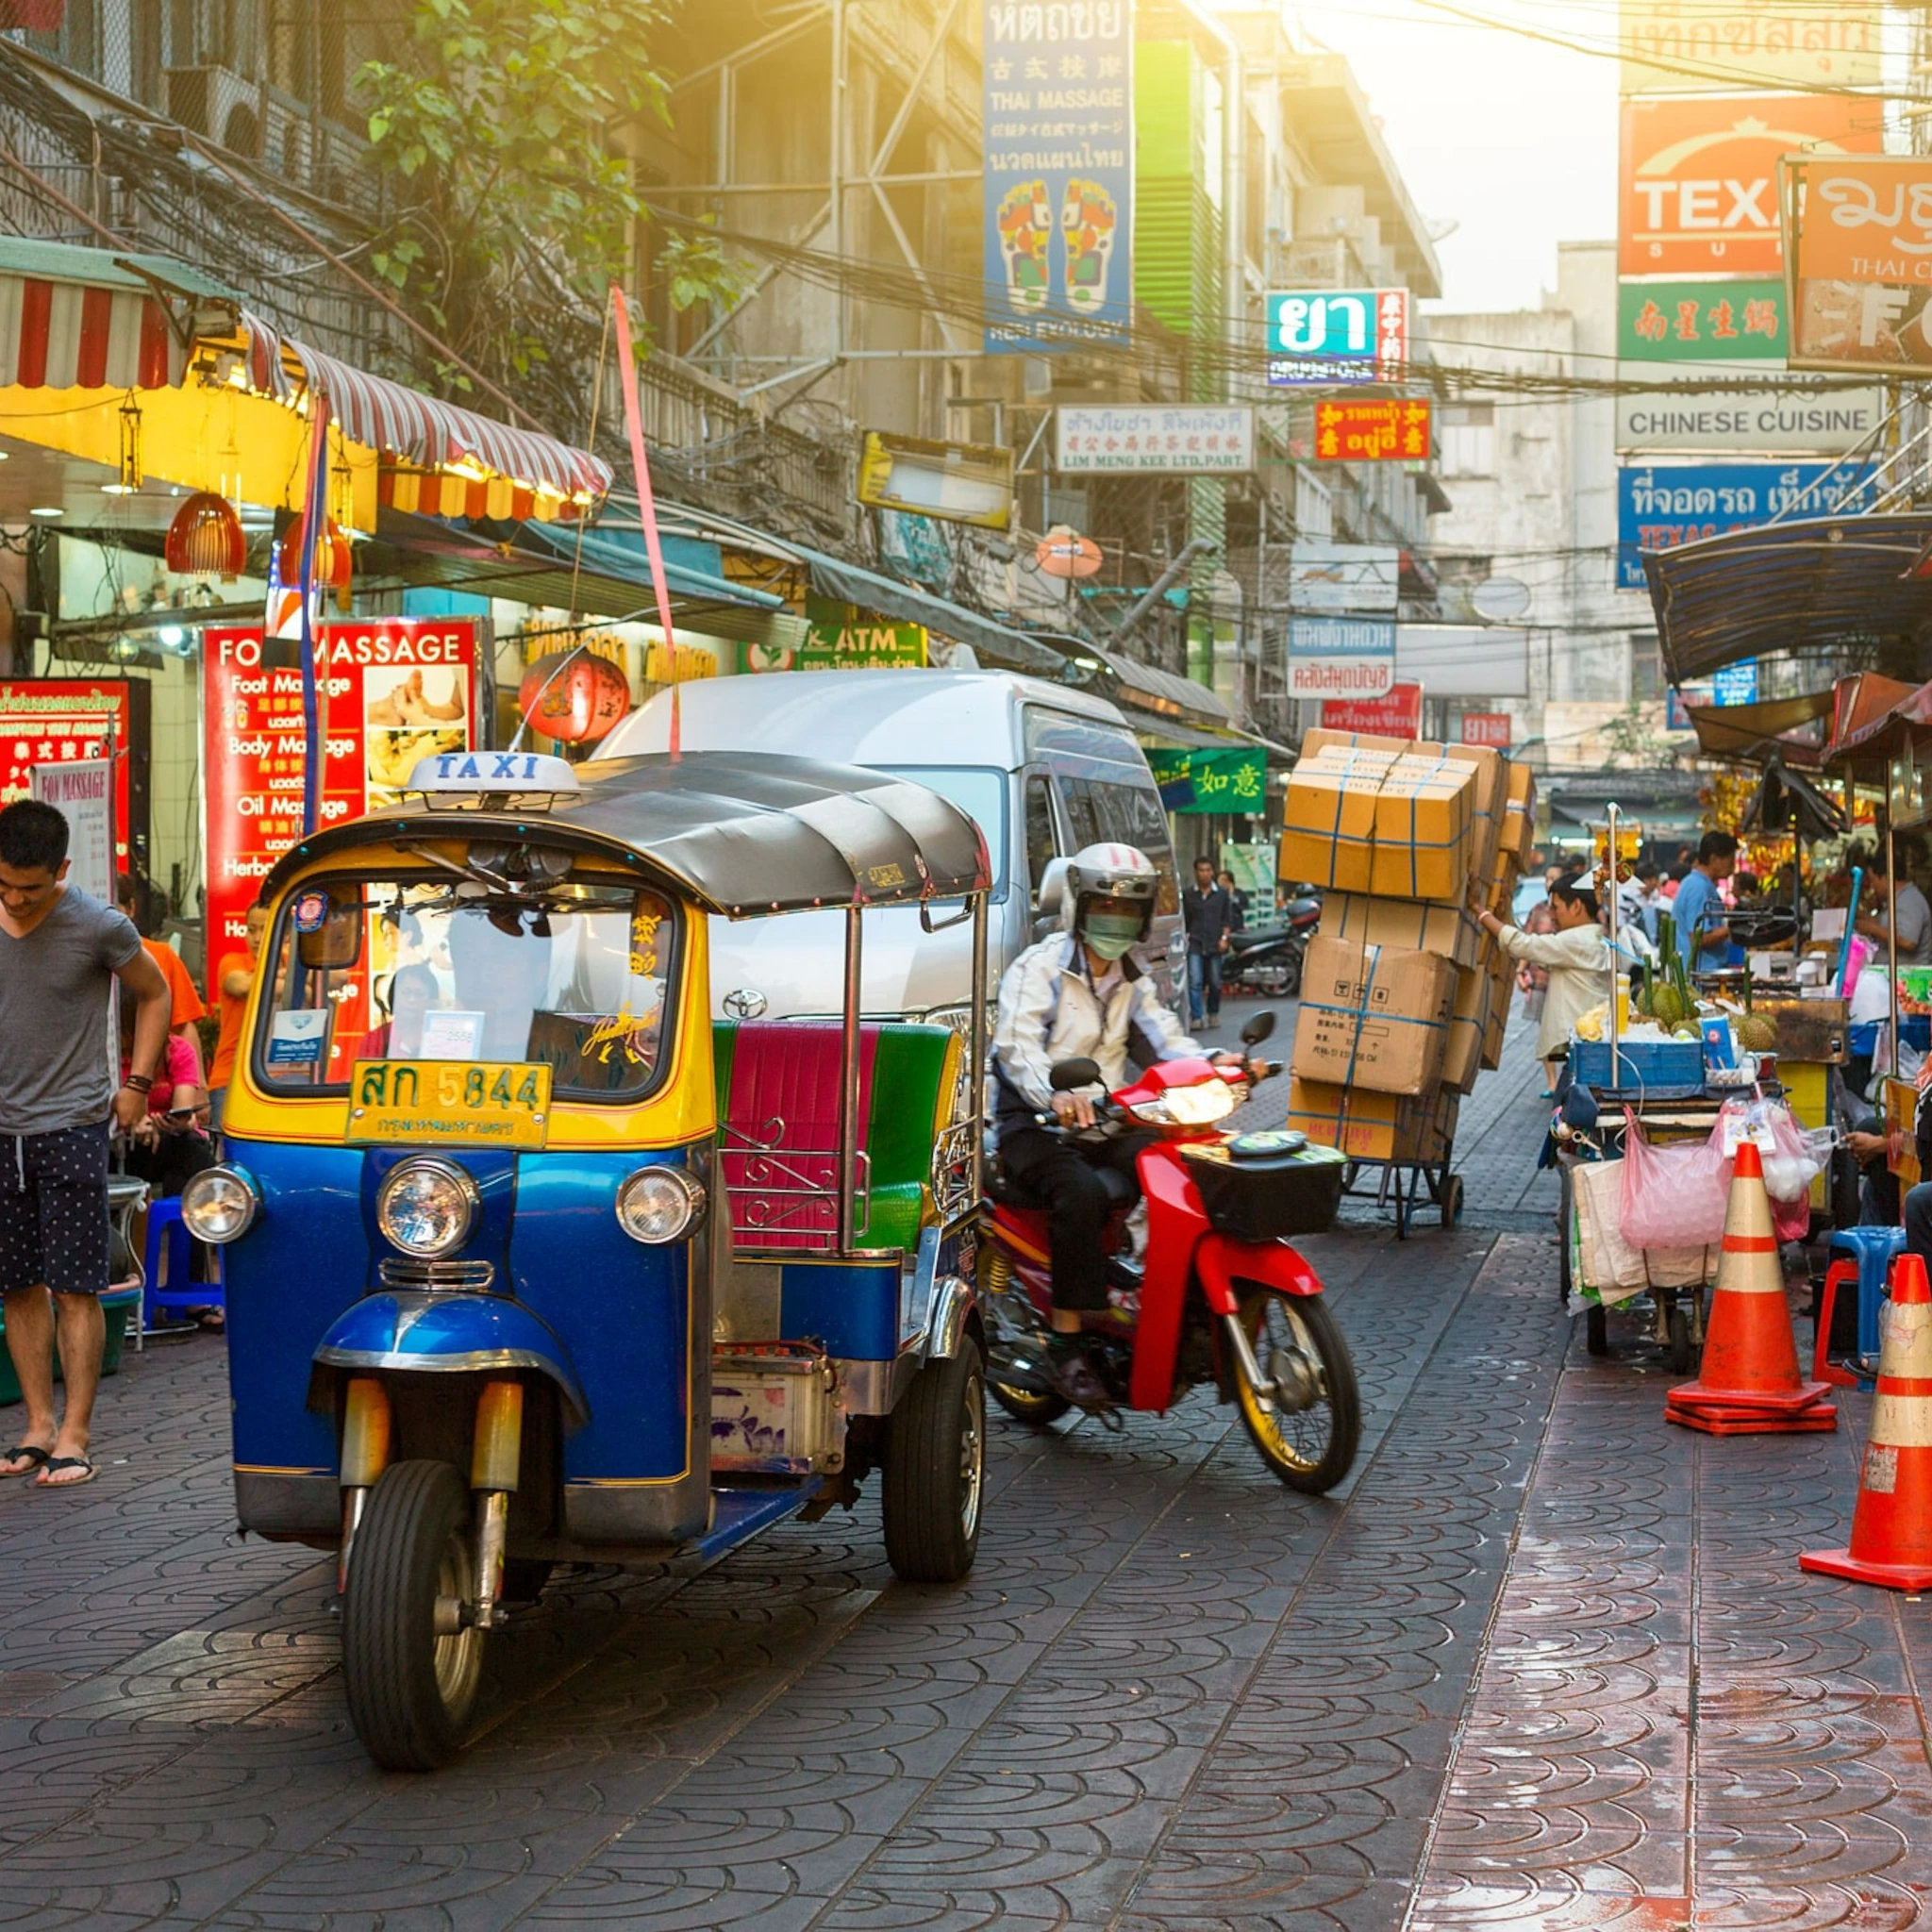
<point x="724" y="1046"/>
<point x="897" y="1213"/>
<point x="909" y="1074"/>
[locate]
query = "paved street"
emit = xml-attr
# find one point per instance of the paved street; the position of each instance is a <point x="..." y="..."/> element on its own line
<point x="1541" y="1663"/>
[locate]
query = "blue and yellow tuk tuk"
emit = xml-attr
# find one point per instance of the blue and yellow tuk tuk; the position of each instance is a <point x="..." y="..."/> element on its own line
<point x="528" y="1260"/>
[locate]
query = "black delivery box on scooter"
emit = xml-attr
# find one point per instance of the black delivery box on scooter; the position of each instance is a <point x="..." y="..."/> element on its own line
<point x="1267" y="1186"/>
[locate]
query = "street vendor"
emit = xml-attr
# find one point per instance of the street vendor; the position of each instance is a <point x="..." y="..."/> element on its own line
<point x="1577" y="956"/>
<point x="1704" y="935"/>
<point x="1907" y="915"/>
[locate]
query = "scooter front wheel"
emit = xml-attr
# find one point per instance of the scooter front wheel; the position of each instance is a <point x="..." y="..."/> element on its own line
<point x="1306" y="1415"/>
<point x="410" y="1664"/>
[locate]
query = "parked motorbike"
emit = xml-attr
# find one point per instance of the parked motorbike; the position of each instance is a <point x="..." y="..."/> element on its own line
<point x="1217" y="1296"/>
<point x="1267" y="960"/>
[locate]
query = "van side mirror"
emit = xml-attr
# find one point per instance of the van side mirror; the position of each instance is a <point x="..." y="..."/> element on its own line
<point x="1067" y="1074"/>
<point x="1052" y="888"/>
<point x="1257" y="1029"/>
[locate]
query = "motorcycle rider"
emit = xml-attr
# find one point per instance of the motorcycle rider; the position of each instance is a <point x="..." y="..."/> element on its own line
<point x="1079" y="994"/>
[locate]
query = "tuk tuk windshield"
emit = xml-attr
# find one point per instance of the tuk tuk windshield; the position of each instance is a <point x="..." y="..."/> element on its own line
<point x="574" y="975"/>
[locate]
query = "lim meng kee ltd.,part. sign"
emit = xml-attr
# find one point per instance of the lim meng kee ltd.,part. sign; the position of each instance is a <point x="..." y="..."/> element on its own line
<point x="1153" y="440"/>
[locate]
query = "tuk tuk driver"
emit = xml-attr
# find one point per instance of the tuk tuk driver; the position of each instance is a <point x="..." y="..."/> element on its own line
<point x="1079" y="994"/>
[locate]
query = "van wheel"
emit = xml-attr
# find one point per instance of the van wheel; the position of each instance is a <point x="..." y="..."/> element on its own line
<point x="936" y="1468"/>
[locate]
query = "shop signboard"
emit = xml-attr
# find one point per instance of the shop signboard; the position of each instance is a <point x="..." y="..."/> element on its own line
<point x="1154" y="440"/>
<point x="1660" y="508"/>
<point x="1340" y="656"/>
<point x="1860" y="252"/>
<point x="1491" y="729"/>
<point x="1338" y="335"/>
<point x="1698" y="176"/>
<point x="1734" y="684"/>
<point x="841" y="637"/>
<point x="1397" y="713"/>
<point x="1698" y="409"/>
<point x="62" y="720"/>
<point x="1701" y="322"/>
<point x="390" y="690"/>
<point x="1057" y="219"/>
<point x="83" y="793"/>
<point x="1335" y="578"/>
<point x="1233" y="781"/>
<point x="1394" y="431"/>
<point x="1690" y="46"/>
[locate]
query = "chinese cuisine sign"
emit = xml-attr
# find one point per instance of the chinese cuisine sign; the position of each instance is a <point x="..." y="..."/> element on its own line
<point x="1225" y="782"/>
<point x="1689" y="46"/>
<point x="1698" y="176"/>
<point x="1394" y="431"/>
<point x="1058" y="100"/>
<point x="1701" y="322"/>
<point x="1861" y="263"/>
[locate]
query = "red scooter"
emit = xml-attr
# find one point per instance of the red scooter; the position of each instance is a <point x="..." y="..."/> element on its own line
<point x="1218" y="1296"/>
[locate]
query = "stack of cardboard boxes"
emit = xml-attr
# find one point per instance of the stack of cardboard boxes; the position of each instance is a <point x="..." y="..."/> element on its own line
<point x="1404" y="996"/>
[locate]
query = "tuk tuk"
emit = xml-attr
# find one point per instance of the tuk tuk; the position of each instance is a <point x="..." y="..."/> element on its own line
<point x="528" y="1260"/>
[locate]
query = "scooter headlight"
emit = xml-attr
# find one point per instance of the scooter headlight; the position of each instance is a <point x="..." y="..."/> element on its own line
<point x="218" y="1204"/>
<point x="1202" y="1106"/>
<point x="658" y="1203"/>
<point x="427" y="1207"/>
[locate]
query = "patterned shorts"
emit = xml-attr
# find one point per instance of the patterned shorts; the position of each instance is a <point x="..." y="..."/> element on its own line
<point x="54" y="1211"/>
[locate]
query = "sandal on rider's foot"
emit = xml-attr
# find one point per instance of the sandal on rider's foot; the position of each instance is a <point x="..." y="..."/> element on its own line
<point x="48" y="1480"/>
<point x="33" y="1455"/>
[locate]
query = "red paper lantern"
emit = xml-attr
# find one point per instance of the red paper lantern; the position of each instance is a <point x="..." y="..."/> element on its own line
<point x="573" y="696"/>
<point x="205" y="538"/>
<point x="333" y="559"/>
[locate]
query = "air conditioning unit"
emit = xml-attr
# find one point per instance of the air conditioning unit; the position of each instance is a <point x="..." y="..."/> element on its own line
<point x="218" y="103"/>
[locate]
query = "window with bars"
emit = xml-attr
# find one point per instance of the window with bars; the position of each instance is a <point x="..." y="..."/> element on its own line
<point x="1469" y="439"/>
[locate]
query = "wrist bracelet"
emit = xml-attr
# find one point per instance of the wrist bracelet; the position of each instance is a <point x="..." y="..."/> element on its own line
<point x="142" y="1083"/>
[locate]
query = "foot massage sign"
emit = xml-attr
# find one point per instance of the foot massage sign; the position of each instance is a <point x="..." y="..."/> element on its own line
<point x="1059" y="102"/>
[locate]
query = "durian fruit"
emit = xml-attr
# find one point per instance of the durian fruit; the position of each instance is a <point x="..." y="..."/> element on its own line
<point x="1757" y="1033"/>
<point x="1668" y="1007"/>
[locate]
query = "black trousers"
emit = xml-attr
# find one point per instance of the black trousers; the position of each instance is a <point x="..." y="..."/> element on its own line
<point x="1066" y="1180"/>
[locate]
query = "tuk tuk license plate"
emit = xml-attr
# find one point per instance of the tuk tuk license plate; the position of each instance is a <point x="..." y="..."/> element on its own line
<point x="470" y="1103"/>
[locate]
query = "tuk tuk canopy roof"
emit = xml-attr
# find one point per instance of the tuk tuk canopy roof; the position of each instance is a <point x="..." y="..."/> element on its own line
<point x="744" y="834"/>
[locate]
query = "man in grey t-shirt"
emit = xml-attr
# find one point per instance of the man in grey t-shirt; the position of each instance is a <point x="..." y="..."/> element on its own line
<point x="60" y="954"/>
<point x="1907" y="916"/>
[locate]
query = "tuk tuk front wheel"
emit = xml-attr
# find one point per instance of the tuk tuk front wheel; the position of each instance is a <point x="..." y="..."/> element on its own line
<point x="410" y="1667"/>
<point x="935" y="1471"/>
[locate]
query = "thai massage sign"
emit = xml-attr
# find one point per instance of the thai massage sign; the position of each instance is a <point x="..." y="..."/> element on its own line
<point x="1861" y="263"/>
<point x="1378" y="432"/>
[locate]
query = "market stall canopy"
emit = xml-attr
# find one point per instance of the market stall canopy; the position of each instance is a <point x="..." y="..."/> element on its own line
<point x="1869" y="716"/>
<point x="1784" y="802"/>
<point x="1823" y="583"/>
<point x="1790" y="729"/>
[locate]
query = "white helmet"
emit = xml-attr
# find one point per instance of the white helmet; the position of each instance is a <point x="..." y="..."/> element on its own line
<point x="1109" y="872"/>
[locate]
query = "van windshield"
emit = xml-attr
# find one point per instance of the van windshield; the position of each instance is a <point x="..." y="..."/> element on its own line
<point x="979" y="792"/>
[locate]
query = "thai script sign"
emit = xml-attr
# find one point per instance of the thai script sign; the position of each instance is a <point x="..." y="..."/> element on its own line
<point x="1347" y="334"/>
<point x="50" y="721"/>
<point x="1861" y="263"/>
<point x="1340" y="656"/>
<point x="841" y="637"/>
<point x="1690" y="46"/>
<point x="1697" y="408"/>
<point x="1701" y="322"/>
<point x="1659" y="508"/>
<point x="1398" y="714"/>
<point x="1336" y="578"/>
<point x="1379" y="432"/>
<point x="1489" y="728"/>
<point x="1698" y="177"/>
<point x="1157" y="440"/>
<point x="1058" y="100"/>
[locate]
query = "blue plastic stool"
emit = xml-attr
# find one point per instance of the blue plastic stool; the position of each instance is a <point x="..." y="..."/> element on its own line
<point x="167" y="1232"/>
<point x="1861" y="1255"/>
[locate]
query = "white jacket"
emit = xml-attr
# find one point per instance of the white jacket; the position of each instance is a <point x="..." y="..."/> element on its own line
<point x="1049" y="1011"/>
<point x="1582" y="972"/>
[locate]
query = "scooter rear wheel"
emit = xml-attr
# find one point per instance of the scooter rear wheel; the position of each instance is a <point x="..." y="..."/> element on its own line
<point x="1309" y="1448"/>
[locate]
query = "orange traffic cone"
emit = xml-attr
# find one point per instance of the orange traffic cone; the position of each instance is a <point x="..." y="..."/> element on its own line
<point x="1749" y="1383"/>
<point x="1891" y="1528"/>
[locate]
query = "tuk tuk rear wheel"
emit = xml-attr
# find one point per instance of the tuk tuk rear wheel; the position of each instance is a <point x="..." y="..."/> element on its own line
<point x="935" y="1472"/>
<point x="410" y="1687"/>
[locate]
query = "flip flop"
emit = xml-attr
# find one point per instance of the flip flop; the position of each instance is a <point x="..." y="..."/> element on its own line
<point x="54" y="1462"/>
<point x="37" y="1458"/>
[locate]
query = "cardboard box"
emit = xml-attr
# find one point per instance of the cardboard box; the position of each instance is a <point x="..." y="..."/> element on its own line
<point x="1478" y="992"/>
<point x="1492" y="1035"/>
<point x="1372" y="1126"/>
<point x="1448" y="930"/>
<point x="1372" y="1016"/>
<point x="1491" y="768"/>
<point x="1378" y="823"/>
<point x="1519" y="813"/>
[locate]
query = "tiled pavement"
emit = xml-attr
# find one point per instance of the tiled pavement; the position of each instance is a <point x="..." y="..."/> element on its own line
<point x="1541" y="1663"/>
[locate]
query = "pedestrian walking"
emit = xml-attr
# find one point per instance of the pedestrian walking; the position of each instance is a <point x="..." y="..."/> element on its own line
<point x="1208" y="912"/>
<point x="59" y="952"/>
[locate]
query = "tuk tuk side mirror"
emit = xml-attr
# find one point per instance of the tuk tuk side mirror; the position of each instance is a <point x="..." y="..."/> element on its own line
<point x="333" y="945"/>
<point x="1067" y="1074"/>
<point x="1257" y="1029"/>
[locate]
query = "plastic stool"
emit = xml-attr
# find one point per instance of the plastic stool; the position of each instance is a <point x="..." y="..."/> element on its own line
<point x="1864" y="1255"/>
<point x="166" y="1232"/>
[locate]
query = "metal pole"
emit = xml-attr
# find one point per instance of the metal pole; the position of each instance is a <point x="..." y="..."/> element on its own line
<point x="1616" y="960"/>
<point x="835" y="137"/>
<point x="976" y="1044"/>
<point x="848" y="1083"/>
<point x="1892" y="936"/>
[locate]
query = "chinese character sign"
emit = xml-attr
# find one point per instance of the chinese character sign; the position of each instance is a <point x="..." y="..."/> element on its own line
<point x="1058" y="100"/>
<point x="1861" y="263"/>
<point x="1379" y="432"/>
<point x="62" y="722"/>
<point x="1341" y="335"/>
<point x="1154" y="440"/>
<point x="1701" y="322"/>
<point x="1659" y="508"/>
<point x="1223" y="781"/>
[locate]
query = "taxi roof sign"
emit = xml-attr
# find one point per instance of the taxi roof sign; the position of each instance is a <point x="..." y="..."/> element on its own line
<point x="492" y="770"/>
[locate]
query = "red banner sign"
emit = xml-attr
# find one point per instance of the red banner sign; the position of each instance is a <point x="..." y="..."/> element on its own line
<point x="1494" y="729"/>
<point x="48" y="720"/>
<point x="390" y="690"/>
<point x="1397" y="714"/>
<point x="1373" y="432"/>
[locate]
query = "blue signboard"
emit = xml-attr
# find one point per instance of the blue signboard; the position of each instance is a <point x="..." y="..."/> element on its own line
<point x="1340" y="656"/>
<point x="1736" y="684"/>
<point x="1338" y="335"/>
<point x="1659" y="507"/>
<point x="1057" y="97"/>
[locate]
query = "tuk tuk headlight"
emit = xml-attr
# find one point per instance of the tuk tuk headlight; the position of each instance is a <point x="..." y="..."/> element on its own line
<point x="660" y="1204"/>
<point x="427" y="1207"/>
<point x="218" y="1204"/>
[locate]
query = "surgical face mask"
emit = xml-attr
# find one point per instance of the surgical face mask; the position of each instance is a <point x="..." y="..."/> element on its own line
<point x="1111" y="934"/>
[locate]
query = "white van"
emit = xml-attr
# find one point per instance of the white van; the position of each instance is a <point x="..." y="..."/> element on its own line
<point x="1042" y="768"/>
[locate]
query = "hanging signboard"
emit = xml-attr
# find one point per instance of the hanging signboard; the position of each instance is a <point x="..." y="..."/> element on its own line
<point x="1338" y="335"/>
<point x="1491" y="729"/>
<point x="1701" y="322"/>
<point x="1734" y="684"/>
<point x="1058" y="114"/>
<point x="1699" y="407"/>
<point x="1340" y="656"/>
<point x="956" y="482"/>
<point x="1698" y="176"/>
<point x="83" y="793"/>
<point x="1658" y="508"/>
<point x="1860" y="236"/>
<point x="1221" y="781"/>
<point x="1373" y="432"/>
<point x="841" y="637"/>
<point x="1690" y="46"/>
<point x="1397" y="713"/>
<point x="1337" y="577"/>
<point x="390" y="690"/>
<point x="1154" y="440"/>
<point x="59" y="721"/>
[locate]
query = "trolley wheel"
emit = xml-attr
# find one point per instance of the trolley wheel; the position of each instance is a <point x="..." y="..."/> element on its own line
<point x="1596" y="1330"/>
<point x="936" y="1468"/>
<point x="1682" y="1354"/>
<point x="1451" y="1200"/>
<point x="1297" y="1345"/>
<point x="411" y="1685"/>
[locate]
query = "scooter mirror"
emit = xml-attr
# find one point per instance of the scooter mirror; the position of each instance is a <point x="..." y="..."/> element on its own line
<point x="1067" y="1074"/>
<point x="1257" y="1029"/>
